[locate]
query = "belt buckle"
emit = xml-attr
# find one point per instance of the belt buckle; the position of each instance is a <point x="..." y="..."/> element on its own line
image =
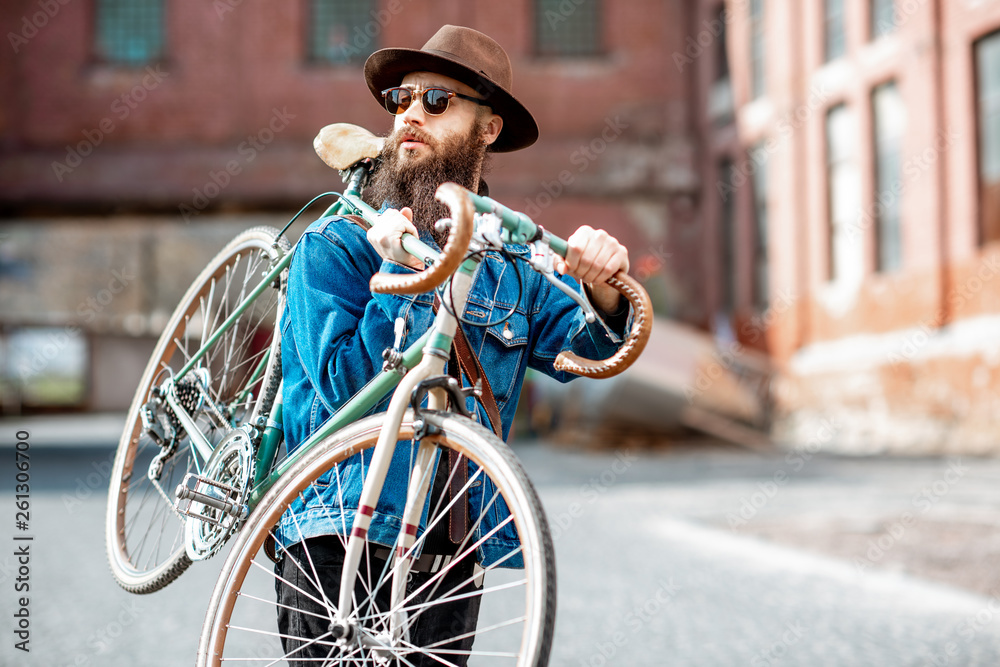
<point x="440" y="562"/>
<point x="427" y="563"/>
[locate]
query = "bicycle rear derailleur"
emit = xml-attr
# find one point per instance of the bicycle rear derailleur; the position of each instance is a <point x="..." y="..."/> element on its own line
<point x="160" y="422"/>
<point x="215" y="502"/>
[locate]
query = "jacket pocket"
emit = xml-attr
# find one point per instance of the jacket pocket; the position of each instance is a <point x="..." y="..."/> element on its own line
<point x="503" y="351"/>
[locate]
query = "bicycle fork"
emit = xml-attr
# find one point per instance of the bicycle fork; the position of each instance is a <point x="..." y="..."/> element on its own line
<point x="433" y="363"/>
<point x="372" y="489"/>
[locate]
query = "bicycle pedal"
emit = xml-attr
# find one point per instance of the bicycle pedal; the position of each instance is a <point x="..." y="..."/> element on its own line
<point x="209" y="501"/>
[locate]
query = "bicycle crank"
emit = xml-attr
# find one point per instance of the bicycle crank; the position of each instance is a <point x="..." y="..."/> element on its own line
<point x="215" y="502"/>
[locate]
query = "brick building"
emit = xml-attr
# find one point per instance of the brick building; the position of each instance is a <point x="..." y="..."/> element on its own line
<point x="184" y="118"/>
<point x="865" y="247"/>
<point x="817" y="180"/>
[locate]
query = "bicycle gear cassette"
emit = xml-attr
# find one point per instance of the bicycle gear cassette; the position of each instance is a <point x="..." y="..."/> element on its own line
<point x="215" y="501"/>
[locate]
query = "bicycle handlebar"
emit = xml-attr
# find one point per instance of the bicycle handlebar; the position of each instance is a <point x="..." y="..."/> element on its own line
<point x="523" y="229"/>
<point x="463" y="205"/>
<point x="635" y="339"/>
<point x="459" y="236"/>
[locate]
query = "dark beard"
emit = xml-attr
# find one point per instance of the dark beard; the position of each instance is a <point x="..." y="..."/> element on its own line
<point x="413" y="183"/>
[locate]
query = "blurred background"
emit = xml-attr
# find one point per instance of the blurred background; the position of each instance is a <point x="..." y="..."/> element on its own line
<point x="809" y="190"/>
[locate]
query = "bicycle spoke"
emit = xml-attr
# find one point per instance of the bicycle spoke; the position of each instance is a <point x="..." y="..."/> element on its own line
<point x="204" y="310"/>
<point x="463" y="596"/>
<point x="147" y="534"/>
<point x="504" y="603"/>
<point x="273" y="603"/>
<point x="364" y="582"/>
<point x="478" y="632"/>
<point x="409" y="647"/>
<point x="288" y="583"/>
<point x="315" y="581"/>
<point x="462" y="554"/>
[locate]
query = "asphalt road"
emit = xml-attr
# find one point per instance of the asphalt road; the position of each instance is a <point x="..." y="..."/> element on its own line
<point x="660" y="560"/>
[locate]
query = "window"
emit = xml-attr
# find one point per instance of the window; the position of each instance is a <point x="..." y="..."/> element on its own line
<point x="721" y="56"/>
<point x="889" y="125"/>
<point x="844" y="195"/>
<point x="720" y="105"/>
<point x="567" y="28"/>
<point x="129" y="32"/>
<point x="835" y="38"/>
<point x="727" y="240"/>
<point x="757" y="87"/>
<point x="988" y="91"/>
<point x="43" y="368"/>
<point x="342" y="32"/>
<point x="761" y="285"/>
<point x="883" y="17"/>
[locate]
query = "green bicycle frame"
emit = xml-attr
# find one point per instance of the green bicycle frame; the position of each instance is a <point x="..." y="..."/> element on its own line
<point x="363" y="401"/>
<point x="517" y="228"/>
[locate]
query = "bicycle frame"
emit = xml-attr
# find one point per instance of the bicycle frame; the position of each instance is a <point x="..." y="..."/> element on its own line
<point x="357" y="406"/>
<point x="422" y="359"/>
<point x="519" y="228"/>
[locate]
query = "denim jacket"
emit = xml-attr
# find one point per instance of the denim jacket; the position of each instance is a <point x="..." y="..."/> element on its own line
<point x="333" y="333"/>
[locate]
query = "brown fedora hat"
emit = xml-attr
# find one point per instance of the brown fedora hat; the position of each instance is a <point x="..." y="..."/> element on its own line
<point x="470" y="57"/>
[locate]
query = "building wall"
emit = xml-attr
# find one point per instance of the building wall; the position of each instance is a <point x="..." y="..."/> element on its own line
<point x="225" y="75"/>
<point x="905" y="359"/>
<point x="225" y="124"/>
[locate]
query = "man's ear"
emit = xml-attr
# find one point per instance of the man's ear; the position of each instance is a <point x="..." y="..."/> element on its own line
<point x="492" y="127"/>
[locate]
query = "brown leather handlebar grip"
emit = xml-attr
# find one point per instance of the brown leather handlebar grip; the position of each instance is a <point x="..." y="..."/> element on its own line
<point x="635" y="340"/>
<point x="454" y="197"/>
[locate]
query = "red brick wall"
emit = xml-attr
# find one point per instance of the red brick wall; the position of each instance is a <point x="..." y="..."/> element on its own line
<point x="621" y="125"/>
<point x="939" y="161"/>
<point x="941" y="301"/>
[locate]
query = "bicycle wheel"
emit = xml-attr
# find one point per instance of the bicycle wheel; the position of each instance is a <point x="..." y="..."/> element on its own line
<point x="516" y="607"/>
<point x="144" y="533"/>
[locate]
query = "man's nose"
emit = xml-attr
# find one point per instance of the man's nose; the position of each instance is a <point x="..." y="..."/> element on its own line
<point x="414" y="113"/>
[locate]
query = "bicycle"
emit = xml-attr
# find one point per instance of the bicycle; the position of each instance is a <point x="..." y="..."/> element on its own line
<point x="205" y="426"/>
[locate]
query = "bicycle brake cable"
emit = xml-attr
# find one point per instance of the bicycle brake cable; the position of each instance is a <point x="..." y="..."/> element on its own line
<point x="510" y="312"/>
<point x="303" y="210"/>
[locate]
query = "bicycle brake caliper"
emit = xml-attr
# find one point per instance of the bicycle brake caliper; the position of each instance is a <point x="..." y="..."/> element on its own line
<point x="420" y="426"/>
<point x="392" y="357"/>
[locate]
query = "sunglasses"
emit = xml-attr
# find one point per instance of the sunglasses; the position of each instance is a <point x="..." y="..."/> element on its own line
<point x="434" y="100"/>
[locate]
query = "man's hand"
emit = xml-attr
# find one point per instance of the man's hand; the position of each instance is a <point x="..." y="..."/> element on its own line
<point x="386" y="236"/>
<point x="592" y="257"/>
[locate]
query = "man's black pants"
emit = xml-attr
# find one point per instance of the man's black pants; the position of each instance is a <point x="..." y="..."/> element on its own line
<point x="302" y="618"/>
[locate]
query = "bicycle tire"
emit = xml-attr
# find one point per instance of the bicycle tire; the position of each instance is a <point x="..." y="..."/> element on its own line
<point x="241" y="621"/>
<point x="144" y="534"/>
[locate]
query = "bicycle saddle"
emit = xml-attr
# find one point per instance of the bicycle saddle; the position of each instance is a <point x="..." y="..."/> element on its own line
<point x="342" y="144"/>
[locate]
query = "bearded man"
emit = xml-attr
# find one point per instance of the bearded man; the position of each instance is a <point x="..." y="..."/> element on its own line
<point x="452" y="106"/>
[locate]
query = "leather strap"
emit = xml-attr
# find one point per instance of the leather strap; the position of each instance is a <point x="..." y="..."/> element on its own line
<point x="474" y="371"/>
<point x="458" y="515"/>
<point x="458" y="474"/>
<point x="464" y="360"/>
<point x="358" y="220"/>
<point x="468" y="362"/>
